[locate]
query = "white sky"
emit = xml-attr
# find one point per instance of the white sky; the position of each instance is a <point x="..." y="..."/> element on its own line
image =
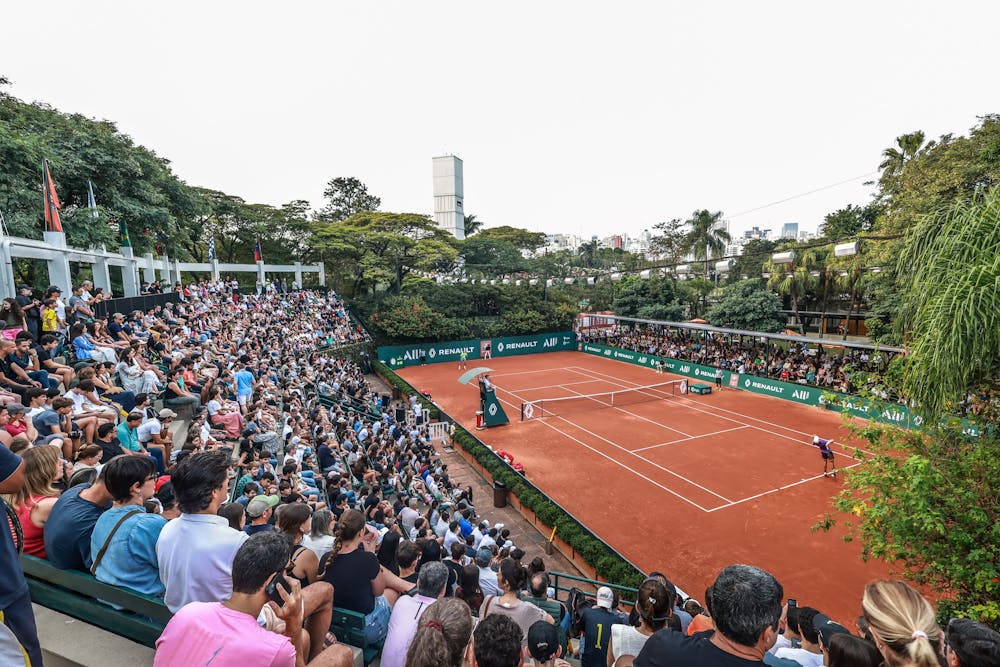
<point x="571" y="117"/>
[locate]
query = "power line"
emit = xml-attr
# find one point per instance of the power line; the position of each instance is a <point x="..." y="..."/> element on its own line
<point x="803" y="194"/>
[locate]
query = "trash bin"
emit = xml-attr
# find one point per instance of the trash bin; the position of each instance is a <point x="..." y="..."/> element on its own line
<point x="499" y="494"/>
<point x="479" y="420"/>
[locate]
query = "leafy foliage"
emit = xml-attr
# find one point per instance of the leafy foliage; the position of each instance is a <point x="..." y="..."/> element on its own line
<point x="747" y="305"/>
<point x="521" y="239"/>
<point x="635" y="297"/>
<point x="345" y="197"/>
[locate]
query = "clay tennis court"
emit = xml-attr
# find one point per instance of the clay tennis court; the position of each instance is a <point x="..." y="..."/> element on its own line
<point x="684" y="484"/>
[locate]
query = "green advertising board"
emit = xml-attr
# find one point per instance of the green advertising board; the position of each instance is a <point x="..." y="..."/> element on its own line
<point x="398" y="356"/>
<point x="886" y="413"/>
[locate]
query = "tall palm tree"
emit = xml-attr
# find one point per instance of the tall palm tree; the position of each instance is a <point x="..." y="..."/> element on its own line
<point x="472" y="225"/>
<point x="706" y="239"/>
<point x="894" y="158"/>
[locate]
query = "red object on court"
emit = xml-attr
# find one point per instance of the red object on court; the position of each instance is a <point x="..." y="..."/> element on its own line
<point x="479" y="419"/>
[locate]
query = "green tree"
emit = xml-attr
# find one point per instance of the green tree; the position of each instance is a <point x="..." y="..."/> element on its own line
<point x="706" y="238"/>
<point x="750" y="263"/>
<point x="588" y="253"/>
<point x="489" y="257"/>
<point x="405" y="318"/>
<point x="654" y="298"/>
<point x="345" y="197"/>
<point x="794" y="280"/>
<point x="894" y="158"/>
<point x="747" y="305"/>
<point x="373" y="248"/>
<point x="850" y="221"/>
<point x="668" y="241"/>
<point x="521" y="239"/>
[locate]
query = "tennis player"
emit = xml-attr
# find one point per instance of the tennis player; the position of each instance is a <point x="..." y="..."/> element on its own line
<point x="827" y="453"/>
<point x="463" y="359"/>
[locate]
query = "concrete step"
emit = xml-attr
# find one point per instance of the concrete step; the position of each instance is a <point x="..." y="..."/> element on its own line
<point x="68" y="642"/>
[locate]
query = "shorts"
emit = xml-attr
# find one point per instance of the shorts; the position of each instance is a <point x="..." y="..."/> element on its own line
<point x="828" y="456"/>
<point x="243" y="399"/>
<point x="377" y="622"/>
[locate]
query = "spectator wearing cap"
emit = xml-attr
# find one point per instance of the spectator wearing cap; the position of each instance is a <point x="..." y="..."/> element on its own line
<point x="431" y="586"/>
<point x="809" y="653"/>
<point x="31" y="307"/>
<point x="196" y="550"/>
<point x="971" y="644"/>
<point x="155" y="433"/>
<point x="544" y="645"/>
<point x="827" y="629"/>
<point x="123" y="542"/>
<point x="746" y="606"/>
<point x="18" y="424"/>
<point x="596" y="622"/>
<point x="228" y="633"/>
<point x="71" y="523"/>
<point x="259" y="512"/>
<point x="654" y="604"/>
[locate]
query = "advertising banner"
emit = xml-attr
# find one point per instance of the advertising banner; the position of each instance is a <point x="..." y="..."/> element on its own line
<point x="398" y="356"/>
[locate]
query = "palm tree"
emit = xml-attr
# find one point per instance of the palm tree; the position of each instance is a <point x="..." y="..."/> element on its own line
<point x="793" y="280"/>
<point x="952" y="307"/>
<point x="472" y="225"/>
<point x="706" y="238"/>
<point x="894" y="158"/>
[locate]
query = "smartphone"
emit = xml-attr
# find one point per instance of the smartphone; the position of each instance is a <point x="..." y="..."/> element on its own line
<point x="792" y="602"/>
<point x="272" y="589"/>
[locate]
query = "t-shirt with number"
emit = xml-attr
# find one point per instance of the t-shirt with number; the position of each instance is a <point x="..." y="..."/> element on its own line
<point x="597" y="622"/>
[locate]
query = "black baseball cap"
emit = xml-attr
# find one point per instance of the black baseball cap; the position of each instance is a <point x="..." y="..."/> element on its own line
<point x="543" y="640"/>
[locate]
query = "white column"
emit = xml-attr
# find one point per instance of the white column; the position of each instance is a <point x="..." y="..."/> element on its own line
<point x="149" y="270"/>
<point x="59" y="272"/>
<point x="215" y="269"/>
<point x="260" y="273"/>
<point x="102" y="275"/>
<point x="322" y="274"/>
<point x="7" y="285"/>
<point x="298" y="274"/>
<point x="165" y="271"/>
<point x="130" y="273"/>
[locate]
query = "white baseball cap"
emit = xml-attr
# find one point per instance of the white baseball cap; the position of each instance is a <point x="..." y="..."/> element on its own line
<point x="605" y="598"/>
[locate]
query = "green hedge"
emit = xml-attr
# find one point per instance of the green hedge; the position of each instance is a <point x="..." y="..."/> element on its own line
<point x="608" y="562"/>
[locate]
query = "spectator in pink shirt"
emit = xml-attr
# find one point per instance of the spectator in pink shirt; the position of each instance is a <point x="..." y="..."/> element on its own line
<point x="228" y="634"/>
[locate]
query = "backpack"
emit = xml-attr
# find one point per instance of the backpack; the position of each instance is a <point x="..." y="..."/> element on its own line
<point x="575" y="604"/>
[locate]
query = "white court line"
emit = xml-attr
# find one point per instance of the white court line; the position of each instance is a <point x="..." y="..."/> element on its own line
<point x="617" y="446"/>
<point x="503" y="375"/>
<point x="780" y="488"/>
<point x="689" y="403"/>
<point x="651" y="421"/>
<point x="692" y="437"/>
<point x="564" y="384"/>
<point x="612" y="459"/>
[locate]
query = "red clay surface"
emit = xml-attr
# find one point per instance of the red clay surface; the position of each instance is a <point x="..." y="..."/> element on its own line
<point x="684" y="485"/>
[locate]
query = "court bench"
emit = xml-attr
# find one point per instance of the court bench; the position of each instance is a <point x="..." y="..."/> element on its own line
<point x="700" y="389"/>
<point x="77" y="594"/>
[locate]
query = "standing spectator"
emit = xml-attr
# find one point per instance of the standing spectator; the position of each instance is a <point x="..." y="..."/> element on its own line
<point x="497" y="642"/>
<point x="443" y="636"/>
<point x="809" y="653"/>
<point x="244" y="387"/>
<point x="746" y="606"/>
<point x="902" y="623"/>
<point x="227" y="633"/>
<point x="406" y="613"/>
<point x="15" y="602"/>
<point x="596" y="623"/>
<point x="196" y="551"/>
<point x="71" y="522"/>
<point x="31" y="307"/>
<point x="123" y="543"/>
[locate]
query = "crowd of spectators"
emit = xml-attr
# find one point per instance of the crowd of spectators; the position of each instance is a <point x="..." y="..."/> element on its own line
<point x="298" y="488"/>
<point x="842" y="370"/>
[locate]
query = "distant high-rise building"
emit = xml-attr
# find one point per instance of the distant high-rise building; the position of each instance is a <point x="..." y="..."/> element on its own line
<point x="790" y="230"/>
<point x="616" y="242"/>
<point x="448" y="195"/>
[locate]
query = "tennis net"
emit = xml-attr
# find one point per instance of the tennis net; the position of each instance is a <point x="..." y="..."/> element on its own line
<point x="548" y="407"/>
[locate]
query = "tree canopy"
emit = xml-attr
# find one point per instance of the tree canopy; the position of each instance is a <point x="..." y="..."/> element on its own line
<point x="747" y="305"/>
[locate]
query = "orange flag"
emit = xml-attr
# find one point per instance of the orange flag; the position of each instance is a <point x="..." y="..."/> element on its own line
<point x="52" y="221"/>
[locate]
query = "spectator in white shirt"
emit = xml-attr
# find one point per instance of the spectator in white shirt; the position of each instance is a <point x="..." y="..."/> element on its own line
<point x="487" y="577"/>
<point x="196" y="551"/>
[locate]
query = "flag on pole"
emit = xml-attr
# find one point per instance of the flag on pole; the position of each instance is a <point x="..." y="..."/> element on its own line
<point x="91" y="202"/>
<point x="257" y="255"/>
<point x="53" y="223"/>
<point x="123" y="228"/>
<point x="211" y="247"/>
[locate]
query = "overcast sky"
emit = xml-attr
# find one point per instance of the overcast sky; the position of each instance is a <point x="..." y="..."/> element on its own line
<point x="573" y="117"/>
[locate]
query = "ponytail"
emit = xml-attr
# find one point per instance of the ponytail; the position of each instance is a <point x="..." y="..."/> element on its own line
<point x="442" y="636"/>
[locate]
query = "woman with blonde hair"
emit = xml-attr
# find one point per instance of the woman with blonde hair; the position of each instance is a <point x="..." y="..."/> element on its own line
<point x="33" y="502"/>
<point x="902" y="623"/>
<point x="443" y="636"/>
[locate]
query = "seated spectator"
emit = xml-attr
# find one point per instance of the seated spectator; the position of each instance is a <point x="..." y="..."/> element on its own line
<point x="511" y="580"/>
<point x="294" y="521"/>
<point x="360" y="582"/>
<point x="850" y="651"/>
<point x="406" y="555"/>
<point x="406" y="613"/>
<point x="87" y="457"/>
<point x="320" y="537"/>
<point x="468" y="589"/>
<point x="545" y="646"/>
<point x="596" y="622"/>
<point x="71" y="522"/>
<point x="902" y="623"/>
<point x="250" y="491"/>
<point x="654" y="603"/>
<point x="195" y="552"/>
<point x="228" y="633"/>
<point x="970" y="644"/>
<point x="497" y="642"/>
<point x="487" y="577"/>
<point x="235" y="514"/>
<point x="33" y="502"/>
<point x="259" y="512"/>
<point x="123" y="543"/>
<point x="808" y="653"/>
<point x="746" y="606"/>
<point x="442" y="637"/>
